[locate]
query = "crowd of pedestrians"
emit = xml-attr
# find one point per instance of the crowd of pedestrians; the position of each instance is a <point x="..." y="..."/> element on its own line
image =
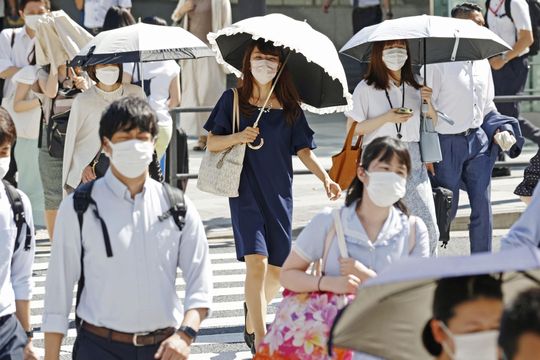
<point x="87" y="144"/>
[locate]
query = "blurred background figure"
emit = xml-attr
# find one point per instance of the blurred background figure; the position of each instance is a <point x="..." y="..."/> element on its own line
<point x="161" y="86"/>
<point x="7" y="8"/>
<point x="95" y="11"/>
<point x="117" y="17"/>
<point x="519" y="337"/>
<point x="203" y="80"/>
<point x="365" y="12"/>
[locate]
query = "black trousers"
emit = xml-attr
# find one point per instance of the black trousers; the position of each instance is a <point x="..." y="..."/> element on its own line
<point x="12" y="339"/>
<point x="367" y="16"/>
<point x="511" y="80"/>
<point x="91" y="347"/>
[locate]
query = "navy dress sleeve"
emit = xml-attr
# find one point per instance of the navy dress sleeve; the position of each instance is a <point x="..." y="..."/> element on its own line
<point x="220" y="120"/>
<point x="302" y="135"/>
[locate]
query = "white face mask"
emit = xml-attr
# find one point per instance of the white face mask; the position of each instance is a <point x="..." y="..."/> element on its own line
<point x="394" y="58"/>
<point x="385" y="188"/>
<point x="4" y="166"/>
<point x="108" y="75"/>
<point x="32" y="20"/>
<point x="131" y="157"/>
<point x="264" y="70"/>
<point x="475" y="346"/>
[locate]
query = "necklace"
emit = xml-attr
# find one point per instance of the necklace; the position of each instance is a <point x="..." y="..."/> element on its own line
<point x="398" y="126"/>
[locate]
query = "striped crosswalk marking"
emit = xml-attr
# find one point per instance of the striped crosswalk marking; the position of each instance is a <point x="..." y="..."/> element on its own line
<point x="221" y="336"/>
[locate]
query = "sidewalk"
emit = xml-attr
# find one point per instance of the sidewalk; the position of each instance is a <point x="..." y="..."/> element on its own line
<point x="310" y="198"/>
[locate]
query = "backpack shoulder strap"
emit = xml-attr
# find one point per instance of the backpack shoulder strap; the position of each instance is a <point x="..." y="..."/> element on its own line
<point x="508" y="9"/>
<point x="412" y="233"/>
<point x="12" y="38"/>
<point x="178" y="206"/>
<point x="17" y="207"/>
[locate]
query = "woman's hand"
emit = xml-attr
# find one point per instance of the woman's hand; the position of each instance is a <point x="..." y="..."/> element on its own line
<point x="80" y="83"/>
<point x="393" y="117"/>
<point x="333" y="190"/>
<point x="350" y="266"/>
<point x="248" y="135"/>
<point x="426" y="94"/>
<point x="347" y="284"/>
<point x="88" y="175"/>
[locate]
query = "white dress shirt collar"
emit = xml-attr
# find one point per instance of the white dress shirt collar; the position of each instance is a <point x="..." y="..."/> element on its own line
<point x="120" y="189"/>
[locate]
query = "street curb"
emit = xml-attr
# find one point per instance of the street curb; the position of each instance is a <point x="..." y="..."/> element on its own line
<point x="503" y="220"/>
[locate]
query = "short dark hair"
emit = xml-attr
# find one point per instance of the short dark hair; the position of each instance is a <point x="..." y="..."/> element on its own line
<point x="23" y="3"/>
<point x="463" y="11"/>
<point x="154" y="20"/>
<point x="128" y="113"/>
<point x="91" y="71"/>
<point x="452" y="292"/>
<point x="8" y="133"/>
<point x="117" y="17"/>
<point x="523" y="316"/>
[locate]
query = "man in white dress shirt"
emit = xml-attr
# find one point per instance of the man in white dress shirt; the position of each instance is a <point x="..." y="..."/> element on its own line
<point x="464" y="92"/>
<point x="16" y="259"/>
<point x="95" y="11"/>
<point x="128" y="250"/>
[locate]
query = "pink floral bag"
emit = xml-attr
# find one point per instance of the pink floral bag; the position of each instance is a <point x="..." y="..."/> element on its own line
<point x="303" y="321"/>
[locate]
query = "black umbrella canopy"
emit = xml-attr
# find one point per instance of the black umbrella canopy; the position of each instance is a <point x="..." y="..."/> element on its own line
<point x="313" y="61"/>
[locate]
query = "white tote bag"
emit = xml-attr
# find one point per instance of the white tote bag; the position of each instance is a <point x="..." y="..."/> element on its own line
<point x="219" y="173"/>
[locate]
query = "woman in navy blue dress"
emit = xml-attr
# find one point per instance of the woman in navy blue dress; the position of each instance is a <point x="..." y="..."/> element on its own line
<point x="262" y="213"/>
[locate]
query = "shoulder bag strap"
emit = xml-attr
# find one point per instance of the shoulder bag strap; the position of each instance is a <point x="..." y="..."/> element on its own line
<point x="340" y="235"/>
<point x="236" y="115"/>
<point x="412" y="233"/>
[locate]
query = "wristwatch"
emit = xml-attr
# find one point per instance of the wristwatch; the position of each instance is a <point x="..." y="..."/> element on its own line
<point x="504" y="57"/>
<point x="30" y="334"/>
<point x="189" y="331"/>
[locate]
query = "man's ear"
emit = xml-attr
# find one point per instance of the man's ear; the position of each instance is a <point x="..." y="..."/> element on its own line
<point x="105" y="143"/>
<point x="438" y="333"/>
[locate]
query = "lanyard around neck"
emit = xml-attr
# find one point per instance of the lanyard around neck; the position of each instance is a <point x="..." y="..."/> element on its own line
<point x="398" y="126"/>
<point x="497" y="8"/>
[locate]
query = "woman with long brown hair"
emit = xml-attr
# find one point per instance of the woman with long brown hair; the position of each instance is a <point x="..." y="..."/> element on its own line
<point x="262" y="213"/>
<point x="388" y="103"/>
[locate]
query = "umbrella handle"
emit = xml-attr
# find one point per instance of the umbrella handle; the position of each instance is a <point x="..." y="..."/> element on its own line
<point x="256" y="147"/>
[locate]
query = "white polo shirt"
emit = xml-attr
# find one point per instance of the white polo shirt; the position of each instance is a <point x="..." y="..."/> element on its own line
<point x="369" y="103"/>
<point x="95" y="11"/>
<point x="15" y="266"/>
<point x="467" y="83"/>
<point x="502" y="25"/>
<point x="16" y="55"/>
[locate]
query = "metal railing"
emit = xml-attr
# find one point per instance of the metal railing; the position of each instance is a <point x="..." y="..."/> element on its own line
<point x="172" y="157"/>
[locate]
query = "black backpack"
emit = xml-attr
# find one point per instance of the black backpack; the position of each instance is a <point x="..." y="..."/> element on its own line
<point x="534" y="13"/>
<point x="19" y="216"/>
<point x="82" y="199"/>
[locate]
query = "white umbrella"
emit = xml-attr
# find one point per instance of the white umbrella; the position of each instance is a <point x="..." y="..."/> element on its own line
<point x="431" y="39"/>
<point x="313" y="61"/>
<point x="389" y="313"/>
<point x="141" y="43"/>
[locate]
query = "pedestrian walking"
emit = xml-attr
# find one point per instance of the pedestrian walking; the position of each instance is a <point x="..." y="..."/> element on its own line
<point x="162" y="87"/>
<point x="519" y="336"/>
<point x="82" y="149"/>
<point x="531" y="175"/>
<point x="96" y="10"/>
<point x="526" y="230"/>
<point x="16" y="257"/>
<point x="388" y="103"/>
<point x="510" y="19"/>
<point x="117" y="17"/>
<point x="128" y="244"/>
<point x="466" y="317"/>
<point x="365" y="12"/>
<point x="57" y="91"/>
<point x="7" y="8"/>
<point x="203" y="80"/>
<point x="465" y="146"/>
<point x="261" y="215"/>
<point x="376" y="226"/>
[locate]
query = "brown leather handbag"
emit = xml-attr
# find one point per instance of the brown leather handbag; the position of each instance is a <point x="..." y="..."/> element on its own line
<point x="344" y="164"/>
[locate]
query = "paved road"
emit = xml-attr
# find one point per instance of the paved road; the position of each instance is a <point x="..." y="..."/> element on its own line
<point x="221" y="336"/>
